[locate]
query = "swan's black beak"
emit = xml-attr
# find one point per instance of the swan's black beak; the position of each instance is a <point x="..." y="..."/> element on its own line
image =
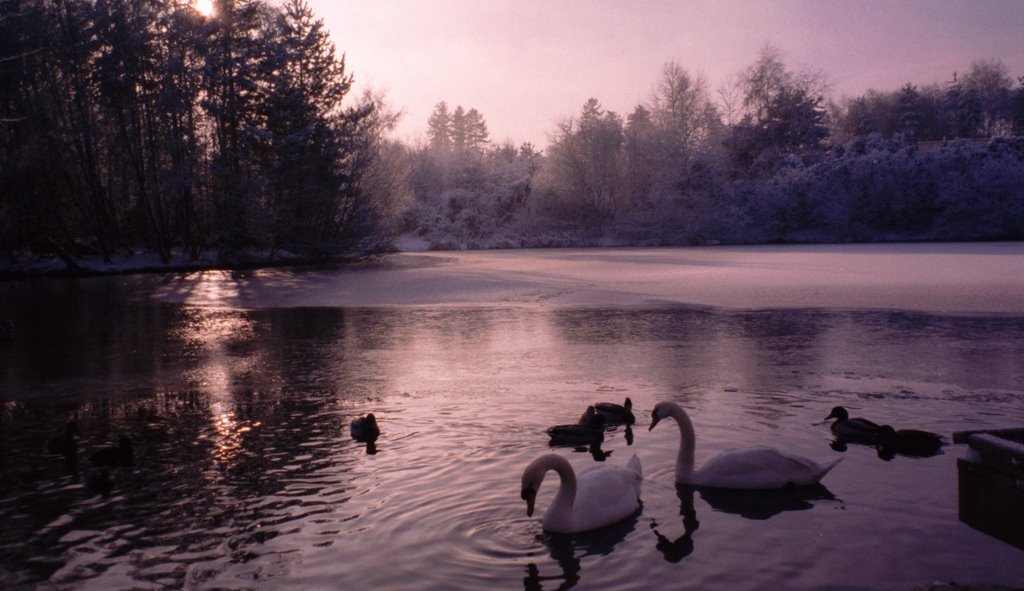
<point x="529" y="495"/>
<point x="654" y="420"/>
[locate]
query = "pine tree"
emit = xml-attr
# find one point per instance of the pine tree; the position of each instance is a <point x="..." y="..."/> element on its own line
<point x="308" y="133"/>
<point x="231" y="81"/>
<point x="439" y="128"/>
<point x="459" y="130"/>
<point x="909" y="118"/>
<point x="476" y="135"/>
<point x="963" y="109"/>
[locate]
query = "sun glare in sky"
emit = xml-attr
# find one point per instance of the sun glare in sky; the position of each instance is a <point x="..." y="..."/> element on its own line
<point x="203" y="7"/>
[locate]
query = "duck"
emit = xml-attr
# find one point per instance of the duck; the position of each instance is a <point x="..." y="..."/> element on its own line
<point x="754" y="468"/>
<point x="99" y="483"/>
<point x="121" y="455"/>
<point x="365" y="429"/>
<point x="66" y="444"/>
<point x="616" y="414"/>
<point x="600" y="495"/>
<point x="856" y="430"/>
<point x="589" y="430"/>
<point x="907" y="442"/>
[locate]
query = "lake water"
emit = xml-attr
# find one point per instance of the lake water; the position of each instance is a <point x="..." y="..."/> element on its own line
<point x="237" y="390"/>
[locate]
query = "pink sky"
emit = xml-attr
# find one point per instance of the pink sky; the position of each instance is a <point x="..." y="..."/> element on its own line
<point x="525" y="64"/>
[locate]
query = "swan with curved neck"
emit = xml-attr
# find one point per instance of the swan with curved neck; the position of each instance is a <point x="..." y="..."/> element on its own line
<point x="752" y="468"/>
<point x="599" y="495"/>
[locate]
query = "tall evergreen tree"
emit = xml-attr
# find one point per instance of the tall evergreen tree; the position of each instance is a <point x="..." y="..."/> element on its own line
<point x="231" y="83"/>
<point x="459" y="129"/>
<point x="439" y="128"/>
<point x="963" y="109"/>
<point x="909" y="118"/>
<point x="475" y="131"/>
<point x="308" y="136"/>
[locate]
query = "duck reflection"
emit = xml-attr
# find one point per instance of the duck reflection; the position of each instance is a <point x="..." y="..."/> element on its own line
<point x="594" y="449"/>
<point x="911" y="443"/>
<point x="568" y="550"/>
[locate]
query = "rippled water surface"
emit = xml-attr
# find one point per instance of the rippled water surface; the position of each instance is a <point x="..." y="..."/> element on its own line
<point x="245" y="477"/>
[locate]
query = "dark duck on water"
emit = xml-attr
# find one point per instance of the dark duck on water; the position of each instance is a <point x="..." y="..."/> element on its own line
<point x="589" y="430"/>
<point x="365" y="429"/>
<point x="66" y="444"/>
<point x="616" y="414"/>
<point x="907" y="442"/>
<point x="121" y="455"/>
<point x="855" y="430"/>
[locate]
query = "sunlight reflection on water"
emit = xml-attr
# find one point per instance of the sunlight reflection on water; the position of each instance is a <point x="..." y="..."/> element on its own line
<point x="245" y="476"/>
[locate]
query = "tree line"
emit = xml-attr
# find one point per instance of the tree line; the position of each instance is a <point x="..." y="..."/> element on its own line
<point x="764" y="157"/>
<point x="130" y="125"/>
<point x="142" y="124"/>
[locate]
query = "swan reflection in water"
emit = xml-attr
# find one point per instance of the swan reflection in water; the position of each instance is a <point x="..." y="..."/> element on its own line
<point x="749" y="504"/>
<point x="762" y="504"/>
<point x="568" y="550"/>
<point x="675" y="550"/>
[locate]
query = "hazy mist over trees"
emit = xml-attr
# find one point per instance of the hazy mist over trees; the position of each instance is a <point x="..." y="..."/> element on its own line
<point x="130" y="126"/>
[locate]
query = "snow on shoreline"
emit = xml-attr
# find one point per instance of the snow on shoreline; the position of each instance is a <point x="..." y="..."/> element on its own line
<point x="144" y="262"/>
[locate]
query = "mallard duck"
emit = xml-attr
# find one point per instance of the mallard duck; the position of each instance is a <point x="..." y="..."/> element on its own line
<point x="856" y="430"/>
<point x="616" y="414"/>
<point x="590" y="430"/>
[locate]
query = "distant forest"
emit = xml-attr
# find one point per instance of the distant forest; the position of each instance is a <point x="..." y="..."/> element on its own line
<point x="131" y="126"/>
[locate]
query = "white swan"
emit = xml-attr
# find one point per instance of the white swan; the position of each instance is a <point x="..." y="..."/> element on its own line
<point x="751" y="468"/>
<point x="600" y="495"/>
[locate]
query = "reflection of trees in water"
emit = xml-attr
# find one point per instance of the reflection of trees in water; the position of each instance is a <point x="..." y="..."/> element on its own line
<point x="217" y="468"/>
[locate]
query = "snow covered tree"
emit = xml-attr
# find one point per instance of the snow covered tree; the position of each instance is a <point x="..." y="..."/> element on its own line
<point x="990" y="81"/>
<point x="1016" y="108"/>
<point x="586" y="155"/>
<point x="963" y="109"/>
<point x="785" y="114"/>
<point x="683" y="114"/>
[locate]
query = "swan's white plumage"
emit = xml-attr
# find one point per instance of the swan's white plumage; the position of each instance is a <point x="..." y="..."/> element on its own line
<point x="600" y="495"/>
<point x="751" y="468"/>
